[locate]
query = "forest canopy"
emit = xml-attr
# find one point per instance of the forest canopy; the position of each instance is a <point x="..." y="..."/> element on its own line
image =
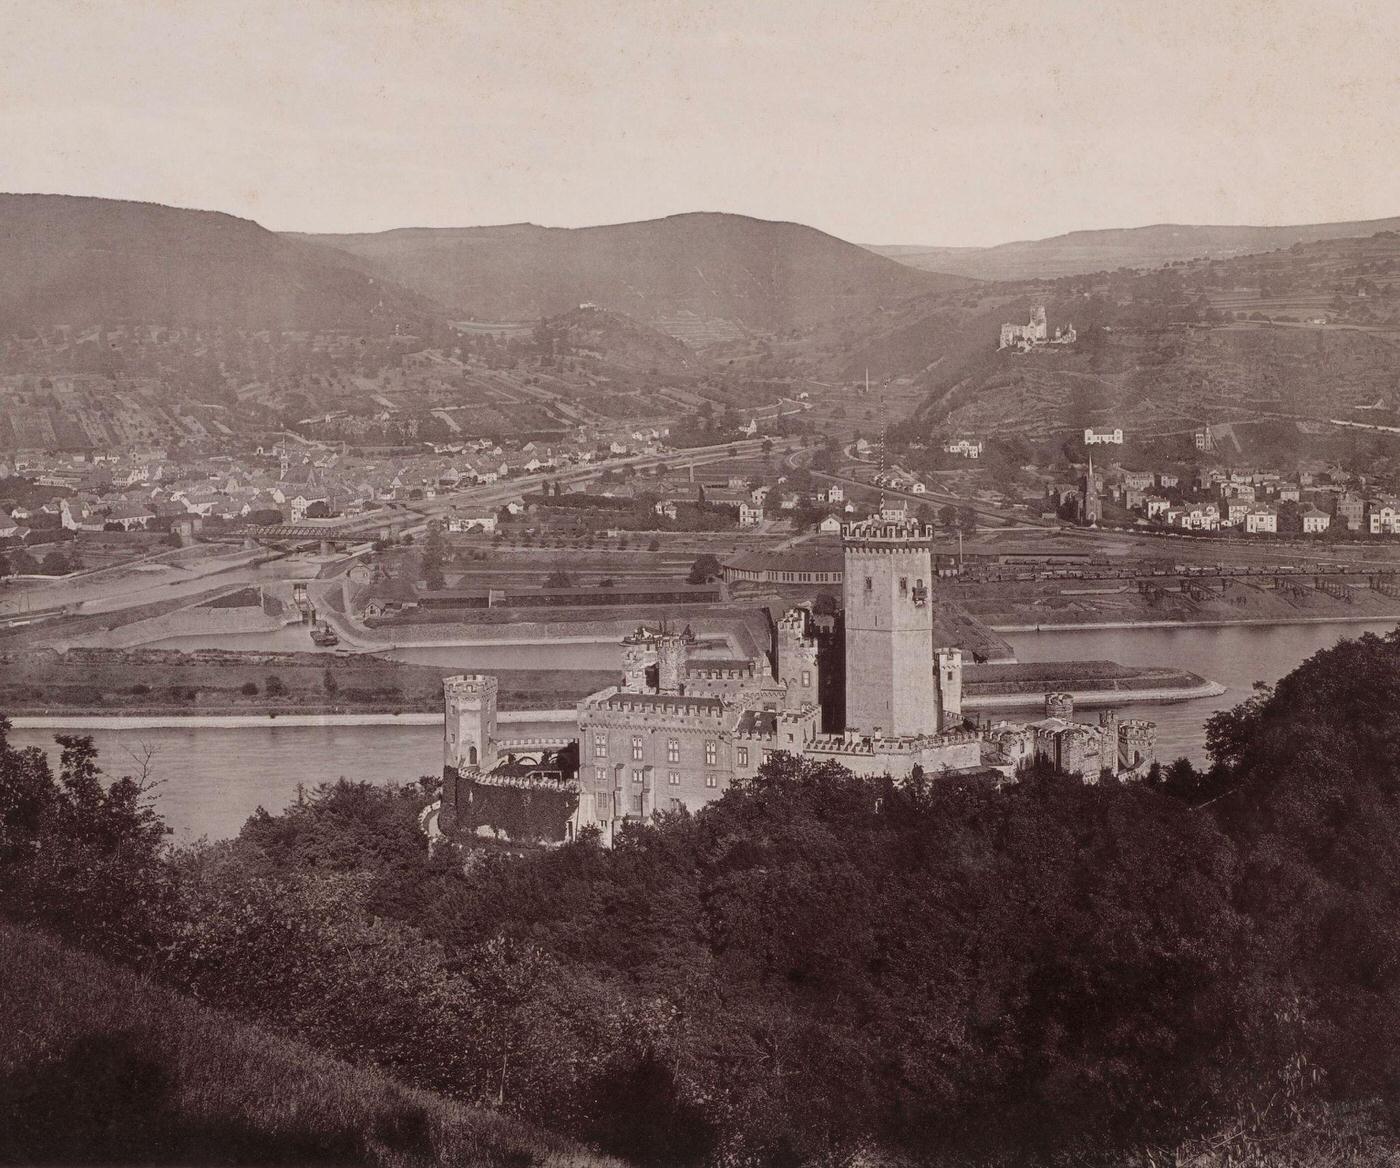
<point x="816" y="963"/>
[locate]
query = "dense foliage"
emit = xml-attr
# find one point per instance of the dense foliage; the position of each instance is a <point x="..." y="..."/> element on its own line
<point x="816" y="963"/>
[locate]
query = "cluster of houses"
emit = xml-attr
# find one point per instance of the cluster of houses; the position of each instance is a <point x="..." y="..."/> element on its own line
<point x="150" y="490"/>
<point x="1248" y="501"/>
<point x="752" y="503"/>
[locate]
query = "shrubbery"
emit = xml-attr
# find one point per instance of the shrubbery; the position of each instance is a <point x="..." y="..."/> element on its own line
<point x="816" y="963"/>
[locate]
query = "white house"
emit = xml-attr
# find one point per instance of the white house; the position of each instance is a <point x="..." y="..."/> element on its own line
<point x="750" y="515"/>
<point x="1384" y="518"/>
<point x="963" y="447"/>
<point x="1103" y="437"/>
<point x="1315" y="521"/>
<point x="1259" y="519"/>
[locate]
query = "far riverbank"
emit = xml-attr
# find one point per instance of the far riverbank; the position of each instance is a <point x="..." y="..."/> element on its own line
<point x="1262" y="622"/>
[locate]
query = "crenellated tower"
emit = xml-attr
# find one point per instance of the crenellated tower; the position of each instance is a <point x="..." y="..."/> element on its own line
<point x="469" y="725"/>
<point x="950" y="715"/>
<point x="889" y="628"/>
<point x="798" y="659"/>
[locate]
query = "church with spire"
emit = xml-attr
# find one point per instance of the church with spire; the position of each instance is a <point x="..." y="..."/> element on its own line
<point x="1089" y="508"/>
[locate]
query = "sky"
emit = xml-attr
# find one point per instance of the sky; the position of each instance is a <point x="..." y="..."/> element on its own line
<point x="939" y="123"/>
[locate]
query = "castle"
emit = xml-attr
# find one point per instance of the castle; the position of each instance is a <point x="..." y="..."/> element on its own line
<point x="1035" y="334"/>
<point x="678" y="728"/>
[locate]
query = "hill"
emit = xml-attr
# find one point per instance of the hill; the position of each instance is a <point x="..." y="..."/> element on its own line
<point x="1293" y="336"/>
<point x="100" y="1066"/>
<point x="67" y="260"/>
<point x="1079" y="252"/>
<point x="683" y="273"/>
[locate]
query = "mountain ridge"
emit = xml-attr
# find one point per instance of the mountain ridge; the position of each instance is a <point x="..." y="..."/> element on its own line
<point x="1091" y="249"/>
<point x="757" y="274"/>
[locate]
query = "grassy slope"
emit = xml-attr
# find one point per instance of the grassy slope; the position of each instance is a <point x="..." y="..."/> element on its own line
<point x="100" y="1066"/>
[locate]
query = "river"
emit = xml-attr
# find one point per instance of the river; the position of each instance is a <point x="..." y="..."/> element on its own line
<point x="212" y="778"/>
<point x="1235" y="655"/>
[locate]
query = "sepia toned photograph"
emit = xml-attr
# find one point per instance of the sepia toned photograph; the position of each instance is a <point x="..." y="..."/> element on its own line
<point x="731" y="584"/>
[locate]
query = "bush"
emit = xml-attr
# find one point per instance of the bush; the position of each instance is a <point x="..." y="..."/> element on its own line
<point x="274" y="687"/>
<point x="248" y="689"/>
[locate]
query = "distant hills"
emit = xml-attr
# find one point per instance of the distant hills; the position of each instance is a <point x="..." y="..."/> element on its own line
<point x="67" y="260"/>
<point x="1080" y="252"/>
<point x="750" y="274"/>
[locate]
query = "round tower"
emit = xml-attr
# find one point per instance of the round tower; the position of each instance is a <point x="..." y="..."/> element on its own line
<point x="1059" y="705"/>
<point x="469" y="723"/>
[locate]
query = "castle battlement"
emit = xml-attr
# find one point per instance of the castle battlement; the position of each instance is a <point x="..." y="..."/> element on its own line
<point x="528" y="782"/>
<point x="875" y="535"/>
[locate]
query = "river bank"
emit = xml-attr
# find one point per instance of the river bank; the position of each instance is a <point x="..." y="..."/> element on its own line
<point x="1128" y="625"/>
<point x="1098" y="697"/>
<point x="79" y="720"/>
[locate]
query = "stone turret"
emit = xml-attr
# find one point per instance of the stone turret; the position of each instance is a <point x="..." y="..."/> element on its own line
<point x="638" y="655"/>
<point x="671" y="654"/>
<point x="469" y="725"/>
<point x="1059" y="705"/>
<point x="798" y="659"/>
<point x="1137" y="743"/>
<point x="950" y="715"/>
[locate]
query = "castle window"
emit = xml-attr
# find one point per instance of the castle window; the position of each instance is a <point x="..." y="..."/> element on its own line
<point x="710" y="781"/>
<point x="743" y="755"/>
<point x="806" y="678"/>
<point x="637" y="750"/>
<point x="869" y="587"/>
<point x="904" y="585"/>
<point x="674" y="778"/>
<point x="602" y="801"/>
<point x="637" y="776"/>
<point x="636" y="804"/>
<point x="600" y="746"/>
<point x="600" y="776"/>
<point x="673" y="750"/>
<point x="677" y="804"/>
<point x="711" y="753"/>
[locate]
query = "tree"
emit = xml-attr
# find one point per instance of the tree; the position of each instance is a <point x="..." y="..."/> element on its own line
<point x="5" y="568"/>
<point x="249" y="689"/>
<point x="967" y="520"/>
<point x="948" y="516"/>
<point x="432" y="557"/>
<point x="329" y="684"/>
<point x="274" y="687"/>
<point x="558" y="578"/>
<point x="703" y="570"/>
<point x="54" y="564"/>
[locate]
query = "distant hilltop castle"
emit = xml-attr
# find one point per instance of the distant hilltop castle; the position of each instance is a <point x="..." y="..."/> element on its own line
<point x="1035" y="334"/>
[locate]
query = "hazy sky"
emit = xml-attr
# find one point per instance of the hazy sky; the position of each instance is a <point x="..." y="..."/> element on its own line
<point x="933" y="122"/>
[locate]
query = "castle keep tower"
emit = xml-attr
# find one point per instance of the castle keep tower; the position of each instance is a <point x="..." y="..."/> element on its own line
<point x="469" y="728"/>
<point x="889" y="628"/>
